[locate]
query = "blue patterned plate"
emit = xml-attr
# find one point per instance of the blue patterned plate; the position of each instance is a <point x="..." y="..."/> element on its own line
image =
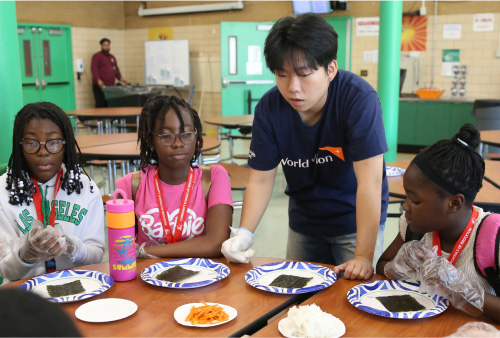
<point x="93" y="282"/>
<point x="261" y="276"/>
<point x="209" y="272"/>
<point x="363" y="296"/>
<point x="394" y="171"/>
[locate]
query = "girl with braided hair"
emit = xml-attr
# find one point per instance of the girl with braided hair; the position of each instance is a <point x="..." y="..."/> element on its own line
<point x="441" y="183"/>
<point x="51" y="216"/>
<point x="182" y="209"/>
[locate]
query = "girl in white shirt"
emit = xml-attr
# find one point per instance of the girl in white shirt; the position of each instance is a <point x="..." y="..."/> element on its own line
<point x="51" y="216"/>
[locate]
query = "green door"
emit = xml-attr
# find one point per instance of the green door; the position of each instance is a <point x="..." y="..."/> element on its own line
<point x="243" y="68"/>
<point x="245" y="77"/>
<point x="343" y="27"/>
<point x="46" y="64"/>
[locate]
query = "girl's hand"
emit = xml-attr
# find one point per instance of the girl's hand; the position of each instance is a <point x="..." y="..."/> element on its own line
<point x="407" y="261"/>
<point x="438" y="276"/>
<point x="140" y="250"/>
<point x="41" y="244"/>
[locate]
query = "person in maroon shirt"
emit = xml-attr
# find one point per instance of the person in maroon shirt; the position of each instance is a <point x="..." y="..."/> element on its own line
<point x="104" y="72"/>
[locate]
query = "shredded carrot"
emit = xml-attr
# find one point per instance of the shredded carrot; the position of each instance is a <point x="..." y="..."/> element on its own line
<point x="207" y="314"/>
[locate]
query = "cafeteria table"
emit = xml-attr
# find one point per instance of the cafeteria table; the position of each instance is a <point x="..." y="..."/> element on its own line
<point x="106" y="115"/>
<point x="359" y="323"/>
<point x="230" y="122"/>
<point x="157" y="304"/>
<point x="242" y="122"/>
<point x="490" y="137"/>
<point x="487" y="198"/>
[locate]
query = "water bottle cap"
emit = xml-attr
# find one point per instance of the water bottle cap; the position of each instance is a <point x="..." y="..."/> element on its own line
<point x="120" y="205"/>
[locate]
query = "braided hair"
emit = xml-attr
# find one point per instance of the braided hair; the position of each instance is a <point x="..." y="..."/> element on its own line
<point x="156" y="107"/>
<point x="457" y="163"/>
<point x="19" y="183"/>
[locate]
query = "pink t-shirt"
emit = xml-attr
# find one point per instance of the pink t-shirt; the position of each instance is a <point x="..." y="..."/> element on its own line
<point x="146" y="207"/>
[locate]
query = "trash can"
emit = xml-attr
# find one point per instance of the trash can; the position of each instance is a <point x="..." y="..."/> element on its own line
<point x="129" y="96"/>
<point x="487" y="114"/>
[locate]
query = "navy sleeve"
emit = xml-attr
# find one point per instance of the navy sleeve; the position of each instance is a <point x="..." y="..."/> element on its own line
<point x="264" y="150"/>
<point x="365" y="127"/>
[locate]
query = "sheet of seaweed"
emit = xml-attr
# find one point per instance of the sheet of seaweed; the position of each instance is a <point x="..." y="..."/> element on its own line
<point x="176" y="274"/>
<point x="400" y="303"/>
<point x="290" y="282"/>
<point x="67" y="289"/>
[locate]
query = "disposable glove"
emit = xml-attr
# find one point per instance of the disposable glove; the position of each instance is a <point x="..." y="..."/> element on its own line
<point x="237" y="248"/>
<point x="437" y="275"/>
<point x="140" y="250"/>
<point x="3" y="246"/>
<point x="409" y="258"/>
<point x="40" y="245"/>
<point x="70" y="243"/>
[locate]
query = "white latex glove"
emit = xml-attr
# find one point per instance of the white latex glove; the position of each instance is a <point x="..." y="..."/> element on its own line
<point x="140" y="250"/>
<point x="237" y="248"/>
<point x="40" y="245"/>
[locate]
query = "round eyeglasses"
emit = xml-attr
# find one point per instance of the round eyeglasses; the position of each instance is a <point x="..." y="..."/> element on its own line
<point x="31" y="146"/>
<point x="168" y="139"/>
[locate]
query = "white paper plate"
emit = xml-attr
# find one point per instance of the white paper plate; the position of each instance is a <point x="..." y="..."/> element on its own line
<point x="210" y="271"/>
<point x="261" y="276"/>
<point x="94" y="283"/>
<point x="182" y="312"/>
<point x="394" y="171"/>
<point x="106" y="310"/>
<point x="338" y="333"/>
<point x="364" y="297"/>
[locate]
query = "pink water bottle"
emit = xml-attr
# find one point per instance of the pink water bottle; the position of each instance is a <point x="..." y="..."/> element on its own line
<point x="120" y="218"/>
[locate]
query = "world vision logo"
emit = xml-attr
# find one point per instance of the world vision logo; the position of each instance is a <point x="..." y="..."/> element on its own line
<point x="336" y="151"/>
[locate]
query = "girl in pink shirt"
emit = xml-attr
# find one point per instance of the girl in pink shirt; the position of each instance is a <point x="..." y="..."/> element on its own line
<point x="181" y="209"/>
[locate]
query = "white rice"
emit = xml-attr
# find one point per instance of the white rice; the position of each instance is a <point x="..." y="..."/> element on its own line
<point x="311" y="322"/>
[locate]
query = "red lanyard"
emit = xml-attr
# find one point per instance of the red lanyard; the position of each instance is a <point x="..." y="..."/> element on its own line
<point x="37" y="199"/>
<point x="462" y="241"/>
<point x="179" y="225"/>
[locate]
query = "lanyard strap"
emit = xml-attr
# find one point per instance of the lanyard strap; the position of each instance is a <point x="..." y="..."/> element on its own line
<point x="179" y="225"/>
<point x="37" y="199"/>
<point x="462" y="241"/>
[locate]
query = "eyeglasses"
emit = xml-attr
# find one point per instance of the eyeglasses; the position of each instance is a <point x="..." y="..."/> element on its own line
<point x="31" y="146"/>
<point x="168" y="139"/>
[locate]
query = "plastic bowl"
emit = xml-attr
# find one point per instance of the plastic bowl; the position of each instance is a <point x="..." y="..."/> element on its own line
<point x="429" y="93"/>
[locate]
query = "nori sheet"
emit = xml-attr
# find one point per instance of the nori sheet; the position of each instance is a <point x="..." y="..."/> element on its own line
<point x="175" y="274"/>
<point x="401" y="303"/>
<point x="67" y="289"/>
<point x="290" y="282"/>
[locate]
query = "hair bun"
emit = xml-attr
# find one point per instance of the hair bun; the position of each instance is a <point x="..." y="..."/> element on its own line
<point x="470" y="135"/>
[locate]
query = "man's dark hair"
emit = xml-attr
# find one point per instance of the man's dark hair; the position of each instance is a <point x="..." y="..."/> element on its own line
<point x="307" y="37"/>
<point x="19" y="183"/>
<point x="456" y="161"/>
<point x="104" y="40"/>
<point x="155" y="108"/>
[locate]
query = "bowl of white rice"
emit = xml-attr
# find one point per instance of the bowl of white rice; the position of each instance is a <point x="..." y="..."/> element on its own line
<point x="311" y="322"/>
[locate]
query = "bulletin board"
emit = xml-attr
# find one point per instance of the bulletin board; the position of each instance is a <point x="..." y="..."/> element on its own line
<point x="167" y="63"/>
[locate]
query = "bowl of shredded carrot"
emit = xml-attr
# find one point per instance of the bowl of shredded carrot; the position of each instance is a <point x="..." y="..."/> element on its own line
<point x="204" y="314"/>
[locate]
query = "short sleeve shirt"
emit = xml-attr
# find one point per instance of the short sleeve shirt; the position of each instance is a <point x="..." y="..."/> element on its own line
<point x="146" y="206"/>
<point x="317" y="160"/>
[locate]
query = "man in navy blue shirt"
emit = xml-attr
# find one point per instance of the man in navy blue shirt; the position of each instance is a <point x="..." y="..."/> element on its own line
<point x="324" y="126"/>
